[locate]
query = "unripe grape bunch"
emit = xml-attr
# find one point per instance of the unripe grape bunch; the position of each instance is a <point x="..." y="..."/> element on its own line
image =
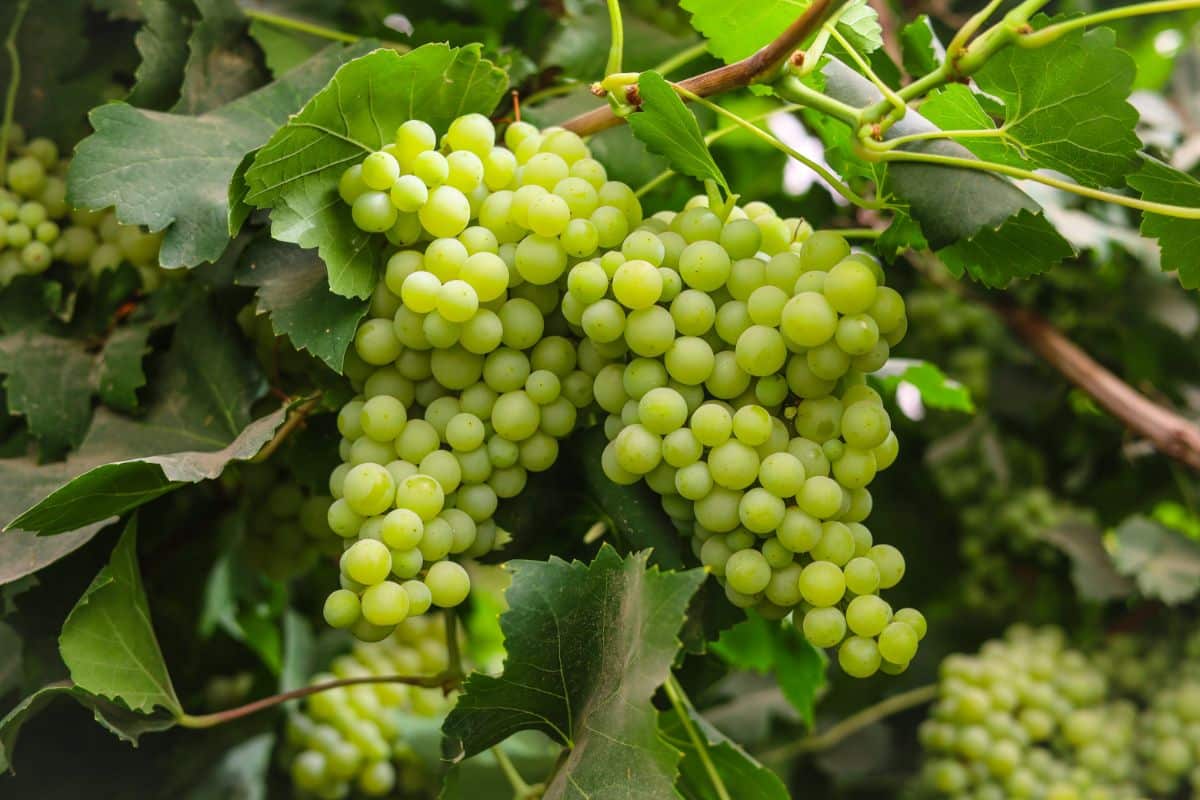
<point x="38" y="227"/>
<point x="468" y="374"/>
<point x="287" y="529"/>
<point x="351" y="739"/>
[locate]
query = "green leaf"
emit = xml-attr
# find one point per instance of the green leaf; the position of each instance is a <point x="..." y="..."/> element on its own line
<point x="197" y="421"/>
<point x="859" y="24"/>
<point x="48" y="381"/>
<point x="668" y="128"/>
<point x="779" y="649"/>
<point x="297" y="171"/>
<point x="736" y="30"/>
<point x="937" y="390"/>
<point x="243" y="602"/>
<point x="171" y="171"/>
<point x="1092" y="570"/>
<point x="283" y="48"/>
<point x="299" y="645"/>
<point x="23" y="553"/>
<point x="579" y="48"/>
<point x="1025" y="244"/>
<point x="1066" y="105"/>
<point x="588" y="645"/>
<point x="241" y="772"/>
<point x="11" y="648"/>
<point x="162" y="43"/>
<point x="958" y="108"/>
<point x="1179" y="239"/>
<point x="120" y="372"/>
<point x="921" y="51"/>
<point x="742" y="775"/>
<point x="222" y="65"/>
<point x="108" y="640"/>
<point x="1165" y="565"/>
<point x="903" y="234"/>
<point x="125" y="724"/>
<point x="293" y="287"/>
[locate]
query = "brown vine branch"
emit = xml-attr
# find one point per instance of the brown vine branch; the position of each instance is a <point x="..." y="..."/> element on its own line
<point x="1169" y="432"/>
<point x="731" y="76"/>
<point x="445" y="682"/>
<point x="294" y="420"/>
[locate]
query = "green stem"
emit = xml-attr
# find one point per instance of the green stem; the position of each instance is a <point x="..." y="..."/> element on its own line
<point x="454" y="656"/>
<point x="1052" y="32"/>
<point x="681" y="58"/>
<point x="442" y="681"/>
<point x="1167" y="210"/>
<point x="853" y="724"/>
<point x="519" y="786"/>
<point x="677" y="697"/>
<point x="552" y="91"/>
<point x="855" y="56"/>
<point x="859" y="233"/>
<point x="959" y="43"/>
<point x="833" y="180"/>
<point x="14" y="81"/>
<point x="290" y="23"/>
<point x="617" y="48"/>
<point x="792" y="89"/>
<point x="892" y="144"/>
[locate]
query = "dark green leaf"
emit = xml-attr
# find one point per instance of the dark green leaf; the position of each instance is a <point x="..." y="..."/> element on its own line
<point x="108" y="640"/>
<point x="903" y="234"/>
<point x="162" y="43"/>
<point x="22" y="553"/>
<point x="1026" y="244"/>
<point x="1092" y="570"/>
<point x="668" y="128"/>
<point x="588" y="645"/>
<point x="170" y="171"/>
<point x="922" y="52"/>
<point x="48" y="381"/>
<point x="1165" y="564"/>
<point x="11" y="648"/>
<point x="742" y="776"/>
<point x="120" y="367"/>
<point x="1179" y="239"/>
<point x="283" y="48"/>
<point x="296" y="173"/>
<point x="293" y="287"/>
<point x="937" y="390"/>
<point x="222" y="65"/>
<point x="241" y="774"/>
<point x="779" y="649"/>
<point x="956" y="108"/>
<point x="125" y="724"/>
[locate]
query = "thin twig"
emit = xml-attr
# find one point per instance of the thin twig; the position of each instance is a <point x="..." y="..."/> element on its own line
<point x="14" y="80"/>
<point x="681" y="704"/>
<point x="519" y="786"/>
<point x="294" y="420"/>
<point x="300" y="26"/>
<point x="853" y="724"/>
<point x="444" y="682"/>
<point x="731" y="76"/>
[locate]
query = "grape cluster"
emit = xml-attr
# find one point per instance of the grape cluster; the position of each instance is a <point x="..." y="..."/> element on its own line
<point x="467" y="372"/>
<point x="1029" y="717"/>
<point x="352" y="738"/>
<point x="736" y="390"/>
<point x="287" y="531"/>
<point x="38" y="227"/>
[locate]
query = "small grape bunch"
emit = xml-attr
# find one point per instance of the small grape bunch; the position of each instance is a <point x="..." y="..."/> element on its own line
<point x="38" y="226"/>
<point x="352" y="738"/>
<point x="468" y="375"/>
<point x="287" y="530"/>
<point x="736" y="355"/>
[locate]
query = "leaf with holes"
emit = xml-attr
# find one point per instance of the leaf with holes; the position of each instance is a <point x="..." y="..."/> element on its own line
<point x="296" y="173"/>
<point x="108" y="640"/>
<point x="588" y="645"/>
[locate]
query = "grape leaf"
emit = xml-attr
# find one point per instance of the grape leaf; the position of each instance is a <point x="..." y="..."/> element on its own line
<point x="283" y="48"/>
<point x="779" y="649"/>
<point x="240" y="773"/>
<point x="668" y="128"/>
<point x="937" y="390"/>
<point x="903" y="234"/>
<point x="120" y="372"/>
<point x="48" y="381"/>
<point x="1165" y="564"/>
<point x="588" y="645"/>
<point x="734" y="765"/>
<point x="197" y="421"/>
<point x="580" y="45"/>
<point x="859" y="24"/>
<point x="920" y="49"/>
<point x="1066" y="105"/>
<point x="127" y="725"/>
<point x="1092" y="570"/>
<point x="22" y="553"/>
<point x="736" y="30"/>
<point x="170" y="171"/>
<point x="293" y="288"/>
<point x="1025" y="244"/>
<point x="957" y="108"/>
<point x="162" y="43"/>
<point x="296" y="173"/>
<point x="1179" y="239"/>
<point x="221" y="65"/>
<point x="108" y="642"/>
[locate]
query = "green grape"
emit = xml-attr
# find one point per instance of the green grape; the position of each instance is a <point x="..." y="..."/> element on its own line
<point x="824" y="627"/>
<point x="747" y="572"/>
<point x="367" y="562"/>
<point x="704" y="265"/>
<point x="823" y="250"/>
<point x="385" y="603"/>
<point x="822" y="584"/>
<point x="369" y="489"/>
<point x="867" y="615"/>
<point x="859" y="657"/>
<point x="341" y="609"/>
<point x="890" y="563"/>
<point x="448" y="584"/>
<point x="850" y="286"/>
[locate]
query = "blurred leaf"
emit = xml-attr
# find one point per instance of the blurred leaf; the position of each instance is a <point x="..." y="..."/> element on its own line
<point x="922" y="52"/>
<point x="1024" y="245"/>
<point x="1092" y="570"/>
<point x="293" y="287"/>
<point x="1179" y="239"/>
<point x="937" y="390"/>
<point x="243" y="603"/>
<point x="22" y="553"/>
<point x="11" y="648"/>
<point x="120" y="372"/>
<point x="668" y="128"/>
<point x="736" y="30"/>
<point x="299" y="644"/>
<point x="170" y="171"/>
<point x="859" y="23"/>
<point x="1165" y="565"/>
<point x="162" y="43"/>
<point x="779" y="649"/>
<point x="108" y="640"/>
<point x="296" y="173"/>
<point x="48" y="381"/>
<point x="125" y="724"/>
<point x="588" y="645"/>
<point x="222" y="65"/>
<point x="580" y="45"/>
<point x="240" y="774"/>
<point x="283" y="48"/>
<point x="740" y="773"/>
